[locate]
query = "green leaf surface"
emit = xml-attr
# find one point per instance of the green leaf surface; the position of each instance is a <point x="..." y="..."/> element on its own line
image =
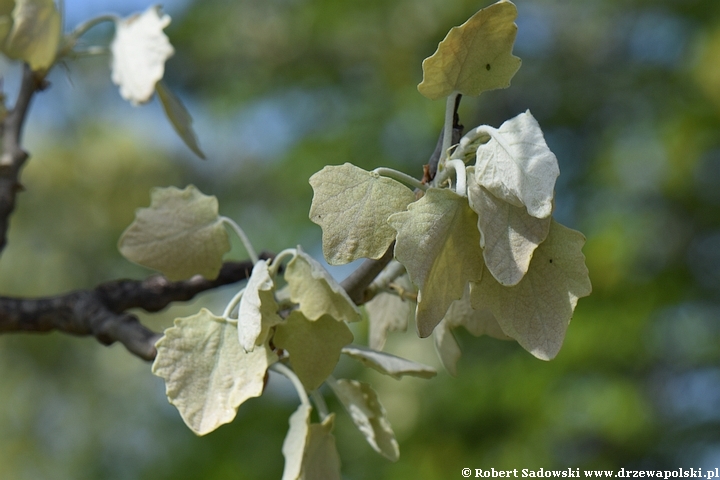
<point x="537" y="311"/>
<point x="314" y="346"/>
<point x="361" y="402"/>
<point x="257" y="311"/>
<point x="207" y="375"/>
<point x="35" y="33"/>
<point x="139" y="51"/>
<point x="387" y="313"/>
<point x="180" y="234"/>
<point x="508" y="234"/>
<point x="317" y="293"/>
<point x="352" y="207"/>
<point x="517" y="166"/>
<point x="293" y="448"/>
<point x="439" y="244"/>
<point x="179" y="117"/>
<point x="474" y="57"/>
<point x="388" y="364"/>
<point x="321" y="460"/>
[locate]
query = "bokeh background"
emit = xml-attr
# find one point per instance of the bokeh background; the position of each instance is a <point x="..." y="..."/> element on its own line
<point x="628" y="95"/>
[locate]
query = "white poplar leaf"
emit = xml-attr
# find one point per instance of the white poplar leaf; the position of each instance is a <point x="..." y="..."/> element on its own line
<point x="352" y="207"/>
<point x="321" y="460"/>
<point x="35" y="33"/>
<point x="179" y="117"/>
<point x="387" y="313"/>
<point x="207" y="375"/>
<point x="293" y="448"/>
<point x="317" y="293"/>
<point x="447" y="347"/>
<point x="139" y="51"/>
<point x="536" y="312"/>
<point x="314" y="346"/>
<point x="180" y="234"/>
<point x="257" y="311"/>
<point x="361" y="402"/>
<point x="439" y="244"/>
<point x="508" y="234"/>
<point x="517" y="166"/>
<point x="388" y="364"/>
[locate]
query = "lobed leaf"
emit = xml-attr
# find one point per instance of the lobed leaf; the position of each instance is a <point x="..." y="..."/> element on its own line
<point x="207" y="375"/>
<point x="508" y="234"/>
<point x="180" y="234"/>
<point x="517" y="166"/>
<point x="361" y="402"/>
<point x="352" y="207"/>
<point x="537" y="311"/>
<point x="293" y="448"/>
<point x="139" y="51"/>
<point x="257" y="311"/>
<point x="317" y="293"/>
<point x="179" y="117"/>
<point x="35" y="33"/>
<point x="321" y="460"/>
<point x="388" y="364"/>
<point x="439" y="244"/>
<point x="474" y="57"/>
<point x="314" y="346"/>
<point x="388" y="312"/>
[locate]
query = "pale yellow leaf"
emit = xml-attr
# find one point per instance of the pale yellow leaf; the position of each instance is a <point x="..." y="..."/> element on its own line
<point x="257" y="311"/>
<point x="387" y="313"/>
<point x="35" y="33"/>
<point x="293" y="448"/>
<point x="321" y="460"/>
<point x="388" y="364"/>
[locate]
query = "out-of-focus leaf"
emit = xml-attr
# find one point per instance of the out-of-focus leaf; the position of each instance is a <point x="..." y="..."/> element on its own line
<point x="180" y="234"/>
<point x="474" y="57"/>
<point x="257" y="311"/>
<point x="439" y="244"/>
<point x="387" y="313"/>
<point x="35" y="33"/>
<point x="361" y="402"/>
<point x="388" y="364"/>
<point x="314" y="346"/>
<point x="317" y="293"/>
<point x="508" y="234"/>
<point x="352" y="207"/>
<point x="139" y="51"/>
<point x="179" y="117"/>
<point x="321" y="460"/>
<point x="207" y="375"/>
<point x="517" y="166"/>
<point x="447" y="347"/>
<point x="293" y="448"/>
<point x="537" y="311"/>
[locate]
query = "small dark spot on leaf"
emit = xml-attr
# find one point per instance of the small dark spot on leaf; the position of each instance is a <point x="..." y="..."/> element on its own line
<point x="551" y="260"/>
<point x="487" y="67"/>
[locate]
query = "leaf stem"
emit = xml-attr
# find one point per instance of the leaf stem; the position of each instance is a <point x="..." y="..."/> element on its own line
<point x="448" y="125"/>
<point x="471" y="141"/>
<point x="283" y="370"/>
<point x="401" y="177"/>
<point x="81" y="29"/>
<point x="385" y="278"/>
<point x="243" y="238"/>
<point x="460" y="177"/>
<point x="320" y="404"/>
<point x="277" y="261"/>
<point x="232" y="304"/>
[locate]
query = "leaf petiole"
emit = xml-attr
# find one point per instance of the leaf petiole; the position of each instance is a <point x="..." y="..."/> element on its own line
<point x="448" y="126"/>
<point x="277" y="261"/>
<point x="290" y="375"/>
<point x="232" y="304"/>
<point x="460" y="176"/>
<point x="320" y="404"/>
<point x="243" y="238"/>
<point x="401" y="177"/>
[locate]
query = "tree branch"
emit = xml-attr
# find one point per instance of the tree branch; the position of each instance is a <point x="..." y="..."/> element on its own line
<point x="101" y="312"/>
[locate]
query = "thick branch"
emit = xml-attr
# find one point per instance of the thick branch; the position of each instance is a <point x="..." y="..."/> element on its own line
<point x="356" y="283"/>
<point x="101" y="312"/>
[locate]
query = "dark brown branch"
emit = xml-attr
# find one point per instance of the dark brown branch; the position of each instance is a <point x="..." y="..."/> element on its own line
<point x="101" y="312"/>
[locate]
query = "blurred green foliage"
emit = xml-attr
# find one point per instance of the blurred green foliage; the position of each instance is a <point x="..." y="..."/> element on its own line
<point x="628" y="94"/>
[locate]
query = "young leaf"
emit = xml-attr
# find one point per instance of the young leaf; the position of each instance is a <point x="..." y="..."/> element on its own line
<point x="207" y="375"/>
<point x="352" y="207"/>
<point x="35" y="33"/>
<point x="388" y="364"/>
<point x="508" y="234"/>
<point x="316" y="291"/>
<point x="293" y="448"/>
<point x="517" y="166"/>
<point x="361" y="402"/>
<point x="321" y="460"/>
<point x="447" y="347"/>
<point x="179" y="117"/>
<point x="180" y="234"/>
<point x="388" y="312"/>
<point x="139" y="51"/>
<point x="258" y="309"/>
<point x="439" y="244"/>
<point x="537" y="311"/>
<point x="474" y="57"/>
<point x="314" y="346"/>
